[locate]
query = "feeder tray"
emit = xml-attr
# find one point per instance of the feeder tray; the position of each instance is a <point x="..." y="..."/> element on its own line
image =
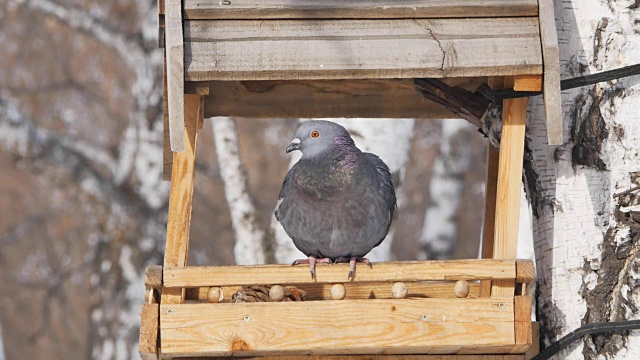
<point x="330" y="58"/>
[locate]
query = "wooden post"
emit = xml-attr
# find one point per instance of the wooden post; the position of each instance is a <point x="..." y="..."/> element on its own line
<point x="505" y="244"/>
<point x="181" y="196"/>
<point x="174" y="58"/>
<point x="488" y="228"/>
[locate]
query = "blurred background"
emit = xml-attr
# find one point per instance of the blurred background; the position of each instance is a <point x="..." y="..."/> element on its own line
<point x="83" y="205"/>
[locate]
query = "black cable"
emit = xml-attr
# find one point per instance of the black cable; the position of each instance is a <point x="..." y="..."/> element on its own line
<point x="495" y="95"/>
<point x="589" y="329"/>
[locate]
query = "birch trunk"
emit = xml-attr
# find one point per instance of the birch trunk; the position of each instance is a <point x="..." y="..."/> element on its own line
<point x="387" y="138"/>
<point x="586" y="240"/>
<point x="248" y="249"/>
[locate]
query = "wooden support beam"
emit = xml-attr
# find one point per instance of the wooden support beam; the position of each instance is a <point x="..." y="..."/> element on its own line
<point x="148" y="344"/>
<point x="181" y="196"/>
<point x="167" y="154"/>
<point x="355" y="98"/>
<point x="436" y="270"/>
<point x="551" y="60"/>
<point x="489" y="222"/>
<point x="392" y="326"/>
<point x="372" y="9"/>
<point x="524" y="271"/>
<point x="522" y="320"/>
<point x="505" y="244"/>
<point x="358" y="49"/>
<point x="528" y="83"/>
<point x="175" y="73"/>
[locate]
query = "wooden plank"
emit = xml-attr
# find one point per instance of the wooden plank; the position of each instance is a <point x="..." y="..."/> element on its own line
<point x="528" y="83"/>
<point x="196" y="87"/>
<point x="369" y="9"/>
<point x="352" y="49"/>
<point x="167" y="155"/>
<point x="354" y="291"/>
<point x="194" y="276"/>
<point x="535" y="345"/>
<point x="488" y="228"/>
<point x="175" y="73"/>
<point x="509" y="183"/>
<point x="153" y="276"/>
<point x="551" y="59"/>
<point x="148" y="344"/>
<point x="339" y="327"/>
<point x="377" y="357"/>
<point x="525" y="271"/>
<point x="522" y="317"/>
<point x="376" y="98"/>
<point x="181" y="197"/>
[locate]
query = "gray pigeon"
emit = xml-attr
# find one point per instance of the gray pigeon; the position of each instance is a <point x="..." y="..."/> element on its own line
<point x="337" y="202"/>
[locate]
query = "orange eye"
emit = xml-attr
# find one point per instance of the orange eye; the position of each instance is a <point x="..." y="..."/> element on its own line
<point x="315" y="134"/>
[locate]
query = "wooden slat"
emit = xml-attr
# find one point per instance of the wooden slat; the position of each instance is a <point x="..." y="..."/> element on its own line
<point x="372" y="9"/>
<point x="524" y="271"/>
<point x="489" y="221"/>
<point x="175" y="72"/>
<point x="352" y="49"/>
<point x="148" y="344"/>
<point x="153" y="276"/>
<point x="551" y="58"/>
<point x="357" y="290"/>
<point x="535" y="345"/>
<point x="377" y="98"/>
<point x="167" y="155"/>
<point x="376" y="357"/>
<point x="194" y="276"/>
<point x="522" y="317"/>
<point x="181" y="197"/>
<point x="509" y="183"/>
<point x="528" y="83"/>
<point x="339" y="327"/>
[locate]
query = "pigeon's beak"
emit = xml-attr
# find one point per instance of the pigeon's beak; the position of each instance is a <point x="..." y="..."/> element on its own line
<point x="295" y="145"/>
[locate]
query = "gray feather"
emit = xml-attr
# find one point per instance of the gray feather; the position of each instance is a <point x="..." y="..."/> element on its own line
<point x="339" y="201"/>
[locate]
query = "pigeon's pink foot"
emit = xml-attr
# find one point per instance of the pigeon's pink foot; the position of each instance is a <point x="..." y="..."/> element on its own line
<point x="312" y="260"/>
<point x="352" y="263"/>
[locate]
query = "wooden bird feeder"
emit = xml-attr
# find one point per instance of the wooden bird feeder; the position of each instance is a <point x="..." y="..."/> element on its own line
<point x="332" y="58"/>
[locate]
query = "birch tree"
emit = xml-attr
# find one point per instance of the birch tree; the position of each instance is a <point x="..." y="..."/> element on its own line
<point x="586" y="236"/>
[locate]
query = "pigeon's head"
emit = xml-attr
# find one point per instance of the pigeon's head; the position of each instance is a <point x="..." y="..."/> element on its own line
<point x="317" y="136"/>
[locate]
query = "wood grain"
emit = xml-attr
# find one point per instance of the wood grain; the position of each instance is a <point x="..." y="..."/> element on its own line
<point x="522" y="317"/>
<point x="148" y="344"/>
<point x="196" y="276"/>
<point x="368" y="290"/>
<point x="377" y="357"/>
<point x="528" y="83"/>
<point x="167" y="155"/>
<point x="489" y="221"/>
<point x="351" y="49"/>
<point x="181" y="197"/>
<point x="551" y="58"/>
<point x="509" y="183"/>
<point x="153" y="276"/>
<point x="175" y="73"/>
<point x="376" y="98"/>
<point x="525" y="271"/>
<point x="373" y="9"/>
<point x="383" y="326"/>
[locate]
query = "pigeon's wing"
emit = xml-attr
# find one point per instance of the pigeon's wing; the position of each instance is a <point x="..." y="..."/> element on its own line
<point x="286" y="186"/>
<point x="383" y="174"/>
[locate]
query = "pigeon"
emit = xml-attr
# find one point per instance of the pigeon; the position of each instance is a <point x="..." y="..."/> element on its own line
<point x="336" y="202"/>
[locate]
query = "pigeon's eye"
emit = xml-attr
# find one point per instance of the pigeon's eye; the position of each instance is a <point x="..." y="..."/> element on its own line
<point x="315" y="134"/>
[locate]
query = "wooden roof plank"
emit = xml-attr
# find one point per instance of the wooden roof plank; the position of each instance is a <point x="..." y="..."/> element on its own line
<point x="358" y="49"/>
<point x="551" y="82"/>
<point x="175" y="73"/>
<point x="362" y="9"/>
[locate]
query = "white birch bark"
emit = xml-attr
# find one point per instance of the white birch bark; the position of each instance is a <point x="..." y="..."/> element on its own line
<point x="445" y="191"/>
<point x="587" y="255"/>
<point x="390" y="140"/>
<point x="248" y="248"/>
